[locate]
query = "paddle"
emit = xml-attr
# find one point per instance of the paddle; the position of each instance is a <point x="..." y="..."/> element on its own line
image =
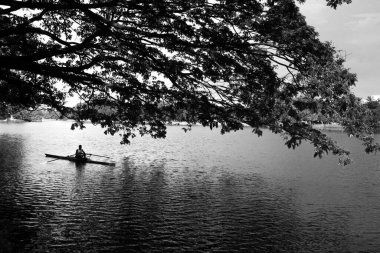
<point x="55" y="159"/>
<point x="100" y="155"/>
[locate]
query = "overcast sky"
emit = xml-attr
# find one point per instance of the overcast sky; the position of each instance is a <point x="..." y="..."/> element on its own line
<point x="355" y="29"/>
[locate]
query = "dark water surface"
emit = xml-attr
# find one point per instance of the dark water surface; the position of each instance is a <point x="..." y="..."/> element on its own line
<point x="199" y="191"/>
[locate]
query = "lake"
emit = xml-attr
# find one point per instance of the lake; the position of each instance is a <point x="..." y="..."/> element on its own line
<point x="196" y="191"/>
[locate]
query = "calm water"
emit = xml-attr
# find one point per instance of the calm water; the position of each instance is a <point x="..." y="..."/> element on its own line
<point x="195" y="191"/>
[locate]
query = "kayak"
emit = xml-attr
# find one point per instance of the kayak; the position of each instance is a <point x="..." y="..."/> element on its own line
<point x="78" y="160"/>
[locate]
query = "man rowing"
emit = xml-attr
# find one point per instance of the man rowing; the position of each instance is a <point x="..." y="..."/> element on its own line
<point x="80" y="154"/>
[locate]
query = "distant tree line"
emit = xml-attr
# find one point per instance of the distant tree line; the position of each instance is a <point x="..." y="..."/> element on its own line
<point x="374" y="106"/>
<point x="26" y="114"/>
<point x="311" y="114"/>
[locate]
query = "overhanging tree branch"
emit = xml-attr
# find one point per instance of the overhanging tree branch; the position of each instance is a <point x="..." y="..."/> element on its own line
<point x="156" y="61"/>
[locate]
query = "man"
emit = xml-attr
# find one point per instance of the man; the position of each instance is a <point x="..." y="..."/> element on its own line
<point x="80" y="153"/>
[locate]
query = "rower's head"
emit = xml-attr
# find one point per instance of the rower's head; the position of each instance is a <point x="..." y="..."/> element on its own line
<point x="80" y="146"/>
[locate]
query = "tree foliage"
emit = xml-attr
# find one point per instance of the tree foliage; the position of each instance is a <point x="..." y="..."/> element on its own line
<point x="374" y="106"/>
<point x="223" y="62"/>
<point x="333" y="3"/>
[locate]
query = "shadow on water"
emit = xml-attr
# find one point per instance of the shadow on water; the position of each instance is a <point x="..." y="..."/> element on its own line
<point x="80" y="167"/>
<point x="11" y="213"/>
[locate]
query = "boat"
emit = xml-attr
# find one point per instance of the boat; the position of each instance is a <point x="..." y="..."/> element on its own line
<point x="77" y="160"/>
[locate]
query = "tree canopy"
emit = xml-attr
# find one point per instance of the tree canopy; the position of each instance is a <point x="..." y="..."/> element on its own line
<point x="225" y="62"/>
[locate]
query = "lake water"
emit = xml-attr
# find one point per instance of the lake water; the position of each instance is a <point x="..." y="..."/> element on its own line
<point x="195" y="191"/>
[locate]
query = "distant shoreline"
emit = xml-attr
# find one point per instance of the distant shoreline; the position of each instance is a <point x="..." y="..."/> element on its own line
<point x="328" y="127"/>
<point x="325" y="127"/>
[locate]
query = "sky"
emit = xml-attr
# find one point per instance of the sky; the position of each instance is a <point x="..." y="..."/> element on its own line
<point x="355" y="29"/>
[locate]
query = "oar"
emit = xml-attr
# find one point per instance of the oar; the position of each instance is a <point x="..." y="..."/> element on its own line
<point x="55" y="159"/>
<point x="100" y="155"/>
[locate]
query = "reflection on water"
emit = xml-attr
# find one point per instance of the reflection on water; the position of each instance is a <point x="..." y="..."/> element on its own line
<point x="199" y="191"/>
